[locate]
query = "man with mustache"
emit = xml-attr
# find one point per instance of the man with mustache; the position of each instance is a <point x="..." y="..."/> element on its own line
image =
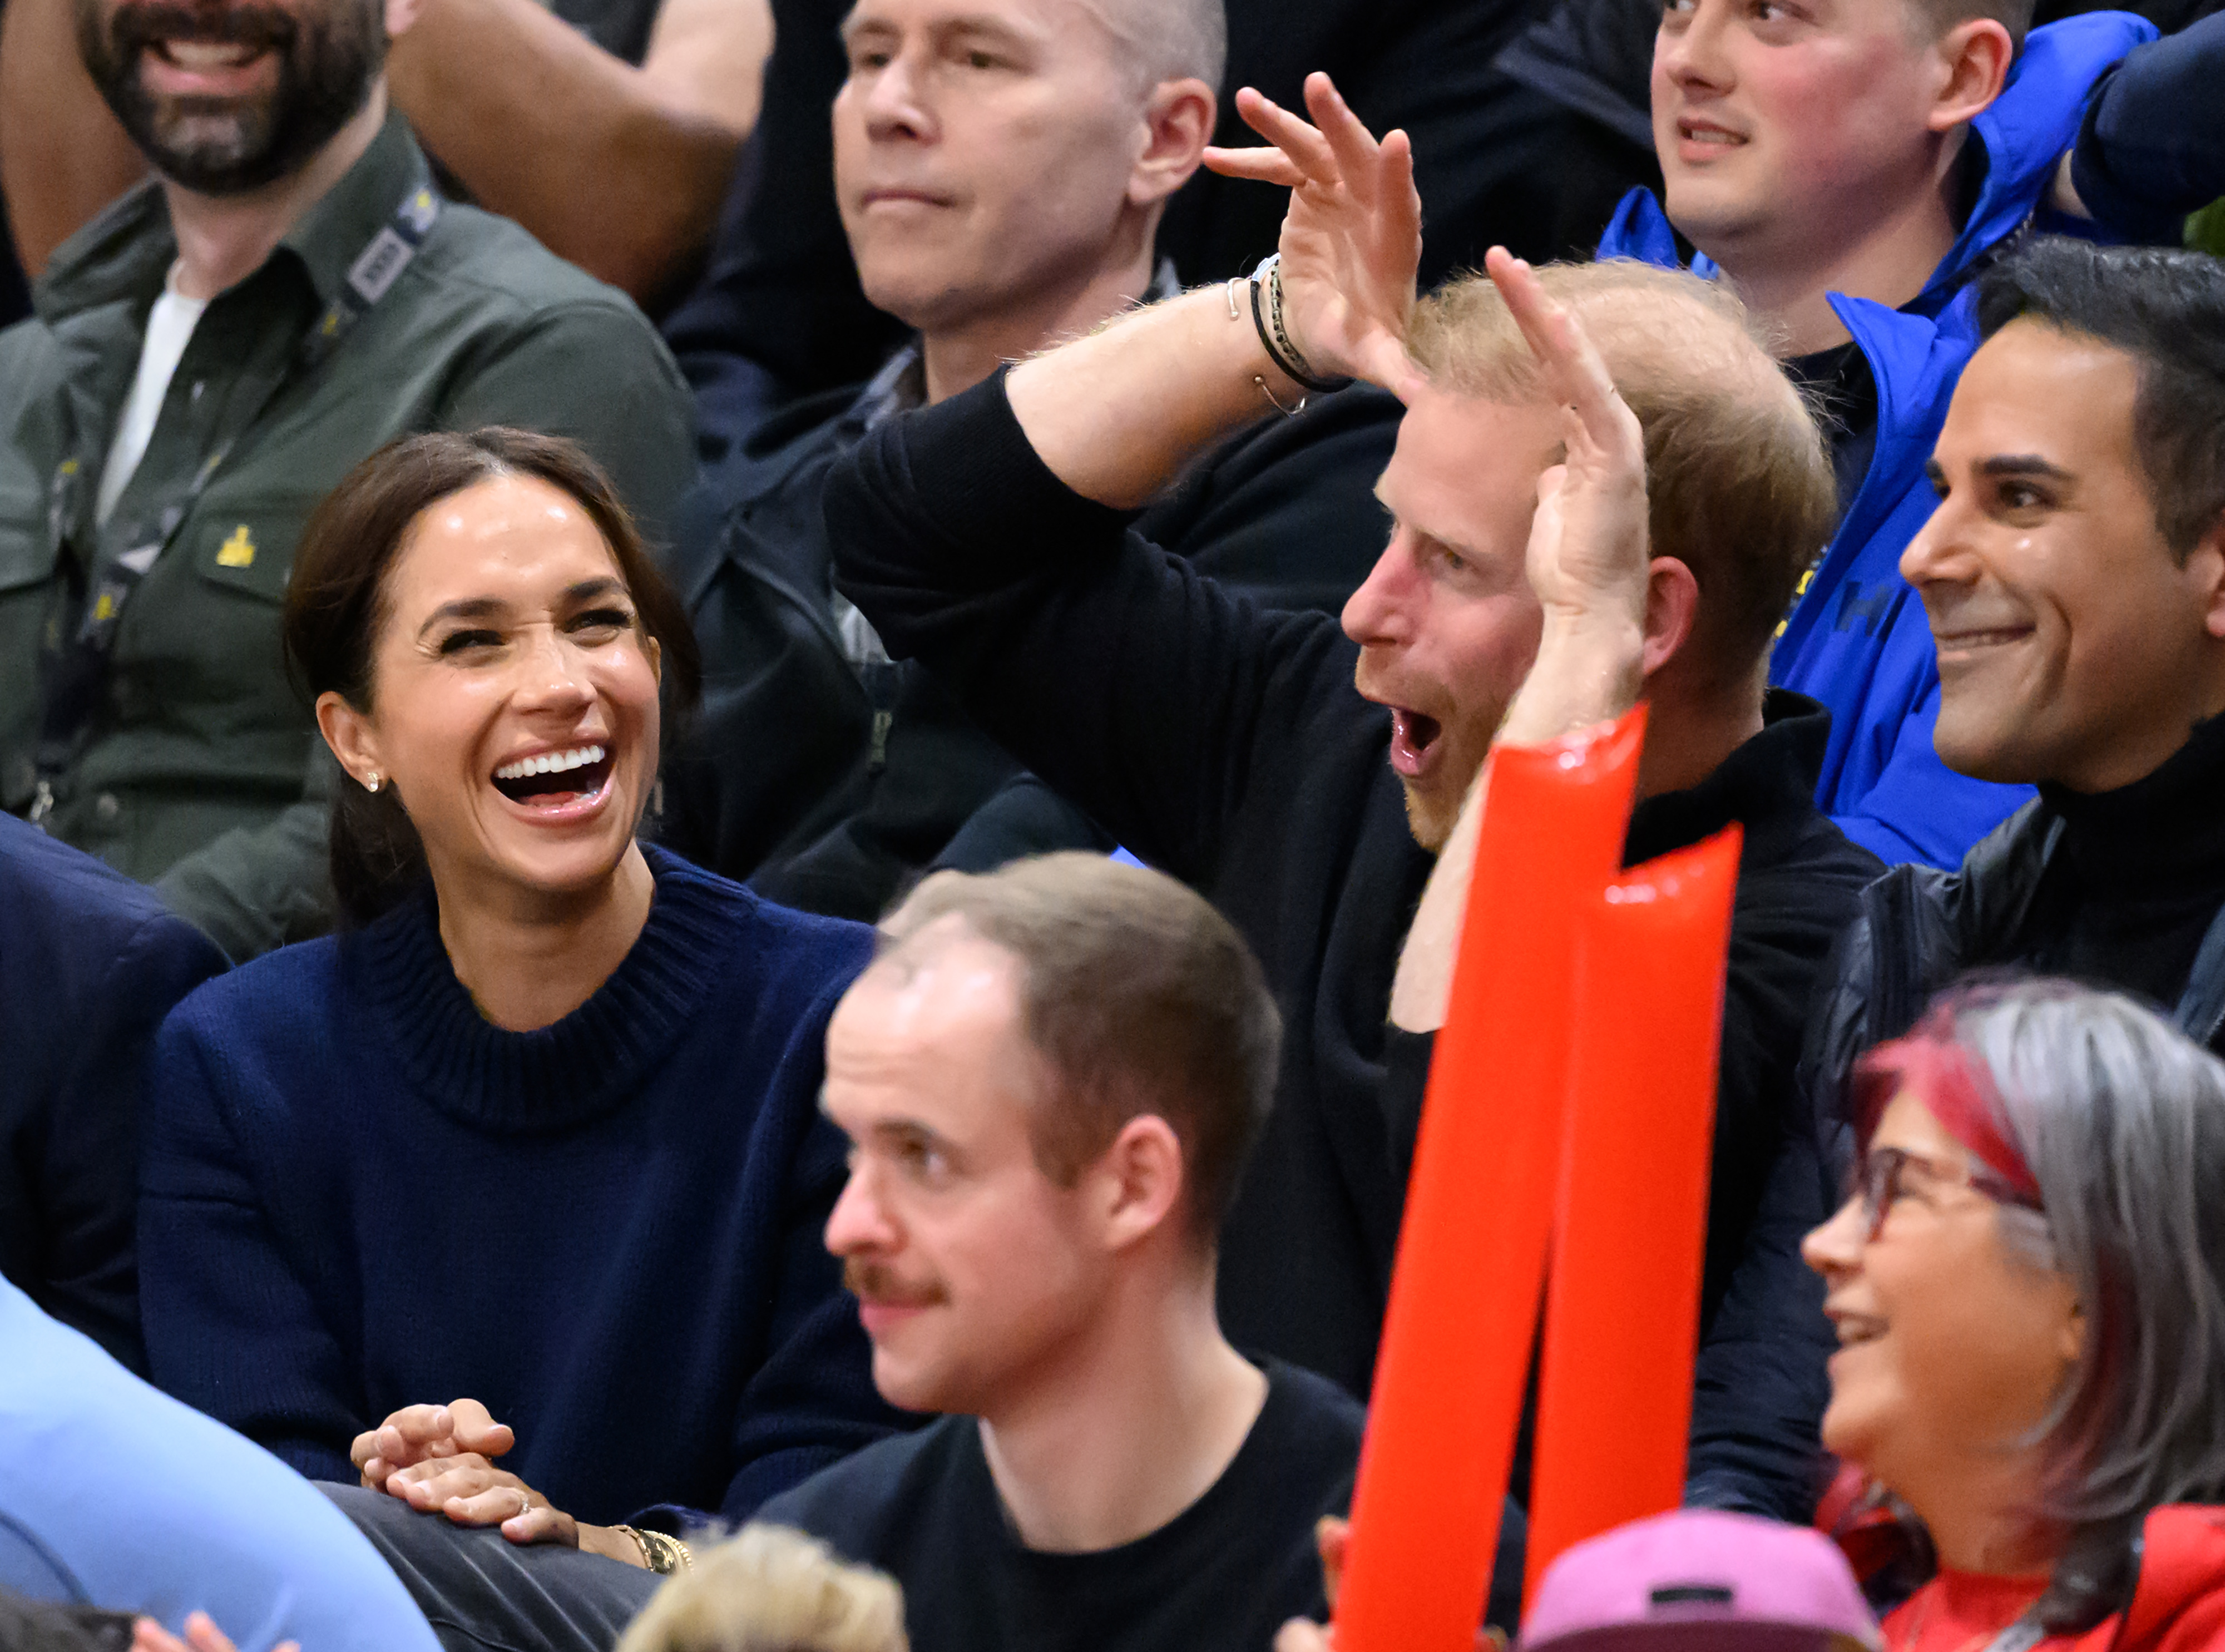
<point x="209" y="357"/>
<point x="1051" y="1079"/>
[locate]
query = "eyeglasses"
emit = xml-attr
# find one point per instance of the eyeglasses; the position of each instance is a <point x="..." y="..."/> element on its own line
<point x="1878" y="1184"/>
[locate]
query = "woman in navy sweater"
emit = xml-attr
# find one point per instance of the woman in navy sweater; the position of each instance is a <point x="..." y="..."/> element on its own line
<point x="540" y="1128"/>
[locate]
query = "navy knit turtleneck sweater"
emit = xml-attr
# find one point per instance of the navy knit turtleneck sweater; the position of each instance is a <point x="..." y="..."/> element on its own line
<point x="358" y="1194"/>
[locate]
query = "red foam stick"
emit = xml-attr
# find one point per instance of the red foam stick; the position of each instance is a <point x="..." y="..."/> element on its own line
<point x="1455" y="1356"/>
<point x="1622" y="1310"/>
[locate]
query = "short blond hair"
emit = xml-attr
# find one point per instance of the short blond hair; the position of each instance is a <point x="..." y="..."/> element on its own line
<point x="1738" y="481"/>
<point x="768" y="1589"/>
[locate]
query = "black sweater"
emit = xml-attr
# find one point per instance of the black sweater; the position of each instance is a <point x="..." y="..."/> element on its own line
<point x="1226" y="744"/>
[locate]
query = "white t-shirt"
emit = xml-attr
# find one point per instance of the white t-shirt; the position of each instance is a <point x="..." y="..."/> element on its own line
<point x="169" y="329"/>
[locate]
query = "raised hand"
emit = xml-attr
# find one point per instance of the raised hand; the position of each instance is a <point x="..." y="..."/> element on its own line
<point x="1351" y="239"/>
<point x="1587" y="558"/>
<point x="418" y="1433"/>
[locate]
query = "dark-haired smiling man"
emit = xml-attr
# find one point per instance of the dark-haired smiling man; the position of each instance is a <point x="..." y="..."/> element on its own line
<point x="209" y="357"/>
<point x="2074" y="577"/>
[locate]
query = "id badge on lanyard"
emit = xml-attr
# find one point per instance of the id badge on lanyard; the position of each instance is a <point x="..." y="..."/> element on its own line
<point x="74" y="667"/>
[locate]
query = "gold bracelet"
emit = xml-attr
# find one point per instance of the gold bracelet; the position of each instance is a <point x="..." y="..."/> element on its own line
<point x="661" y="1555"/>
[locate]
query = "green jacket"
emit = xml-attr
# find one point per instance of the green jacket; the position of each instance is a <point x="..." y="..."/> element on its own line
<point x="201" y="768"/>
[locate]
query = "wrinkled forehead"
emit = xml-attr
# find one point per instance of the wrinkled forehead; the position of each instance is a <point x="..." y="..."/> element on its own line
<point x="1464" y="467"/>
<point x="1045" y="24"/>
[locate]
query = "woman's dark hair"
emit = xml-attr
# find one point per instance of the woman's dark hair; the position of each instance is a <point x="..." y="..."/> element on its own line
<point x="336" y="606"/>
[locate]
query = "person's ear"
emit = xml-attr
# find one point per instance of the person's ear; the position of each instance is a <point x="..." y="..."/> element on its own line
<point x="353" y="738"/>
<point x="401" y="17"/>
<point x="1672" y="607"/>
<point x="1139" y="1181"/>
<point x="2205" y="569"/>
<point x="1177" y="125"/>
<point x="1973" y="58"/>
<point x="655" y="650"/>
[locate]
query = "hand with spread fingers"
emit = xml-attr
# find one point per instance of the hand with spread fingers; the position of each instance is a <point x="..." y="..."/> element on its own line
<point x="1587" y="555"/>
<point x="417" y="1433"/>
<point x="201" y="1635"/>
<point x="1351" y="239"/>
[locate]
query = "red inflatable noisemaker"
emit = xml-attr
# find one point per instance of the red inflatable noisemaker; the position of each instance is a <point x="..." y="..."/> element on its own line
<point x="1569" y="1112"/>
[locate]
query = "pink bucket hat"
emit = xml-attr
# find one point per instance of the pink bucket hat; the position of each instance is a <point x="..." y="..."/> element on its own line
<point x="1700" y="1581"/>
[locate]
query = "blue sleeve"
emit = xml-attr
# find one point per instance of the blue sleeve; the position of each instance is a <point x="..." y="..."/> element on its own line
<point x="2152" y="148"/>
<point x="232" y="1328"/>
<point x="28" y="1568"/>
<point x="1759" y="1384"/>
<point x="1917" y="808"/>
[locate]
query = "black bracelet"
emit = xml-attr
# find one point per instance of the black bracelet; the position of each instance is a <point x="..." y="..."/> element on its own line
<point x="1274" y="338"/>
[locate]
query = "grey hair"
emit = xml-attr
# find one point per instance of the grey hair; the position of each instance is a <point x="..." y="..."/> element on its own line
<point x="1167" y="39"/>
<point x="2121" y="1119"/>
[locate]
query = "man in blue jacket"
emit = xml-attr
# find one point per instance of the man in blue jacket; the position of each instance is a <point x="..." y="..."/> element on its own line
<point x="90" y="963"/>
<point x="1847" y="168"/>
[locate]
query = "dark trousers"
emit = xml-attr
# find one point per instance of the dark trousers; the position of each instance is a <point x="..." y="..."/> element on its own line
<point x="482" y="1593"/>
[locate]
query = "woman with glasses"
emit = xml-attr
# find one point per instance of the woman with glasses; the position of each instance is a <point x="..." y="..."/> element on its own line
<point x="2028" y="1286"/>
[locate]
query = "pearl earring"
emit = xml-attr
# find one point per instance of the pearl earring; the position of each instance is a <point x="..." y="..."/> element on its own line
<point x="371" y="785"/>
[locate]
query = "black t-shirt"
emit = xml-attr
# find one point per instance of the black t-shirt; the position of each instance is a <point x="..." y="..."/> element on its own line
<point x="1224" y="1573"/>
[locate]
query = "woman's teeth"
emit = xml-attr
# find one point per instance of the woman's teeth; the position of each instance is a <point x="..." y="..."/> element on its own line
<point x="550" y="763"/>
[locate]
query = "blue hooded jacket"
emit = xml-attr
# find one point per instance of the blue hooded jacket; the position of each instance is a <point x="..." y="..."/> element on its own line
<point x="1857" y="639"/>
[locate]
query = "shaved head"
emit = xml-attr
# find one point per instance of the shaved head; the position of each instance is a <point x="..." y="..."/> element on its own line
<point x="1167" y="40"/>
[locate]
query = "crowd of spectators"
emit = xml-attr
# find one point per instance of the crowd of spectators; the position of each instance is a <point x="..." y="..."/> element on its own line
<point x="741" y="742"/>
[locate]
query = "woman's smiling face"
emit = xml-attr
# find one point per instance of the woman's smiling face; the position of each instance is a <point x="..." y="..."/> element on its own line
<point x="514" y="691"/>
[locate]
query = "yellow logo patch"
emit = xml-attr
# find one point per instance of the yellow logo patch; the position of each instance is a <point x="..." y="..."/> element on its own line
<point x="238" y="550"/>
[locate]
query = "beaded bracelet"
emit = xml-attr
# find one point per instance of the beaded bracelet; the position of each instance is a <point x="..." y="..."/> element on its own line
<point x="1274" y="335"/>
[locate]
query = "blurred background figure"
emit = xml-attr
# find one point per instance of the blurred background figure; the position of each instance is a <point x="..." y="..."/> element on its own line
<point x="768" y="1589"/>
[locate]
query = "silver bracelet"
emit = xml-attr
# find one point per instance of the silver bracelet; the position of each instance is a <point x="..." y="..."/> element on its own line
<point x="1274" y="333"/>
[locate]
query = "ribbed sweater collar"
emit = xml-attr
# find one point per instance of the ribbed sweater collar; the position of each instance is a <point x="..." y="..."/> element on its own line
<point x="2160" y="835"/>
<point x="558" y="1077"/>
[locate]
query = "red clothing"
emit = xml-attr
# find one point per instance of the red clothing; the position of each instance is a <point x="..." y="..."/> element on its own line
<point x="2178" y="1605"/>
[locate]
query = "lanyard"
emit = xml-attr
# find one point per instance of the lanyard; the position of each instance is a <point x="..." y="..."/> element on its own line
<point x="74" y="663"/>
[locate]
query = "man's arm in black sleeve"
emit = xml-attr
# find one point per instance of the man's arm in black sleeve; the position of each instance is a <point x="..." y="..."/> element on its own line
<point x="2152" y="148"/>
<point x="1135" y="686"/>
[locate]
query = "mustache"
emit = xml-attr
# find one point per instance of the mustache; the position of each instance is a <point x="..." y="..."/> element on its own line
<point x="146" y="22"/>
<point x="876" y="1282"/>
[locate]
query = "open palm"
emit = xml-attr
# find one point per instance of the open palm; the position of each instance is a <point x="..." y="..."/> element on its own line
<point x="1351" y="238"/>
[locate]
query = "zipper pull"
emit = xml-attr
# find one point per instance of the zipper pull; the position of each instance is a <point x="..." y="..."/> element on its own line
<point x="42" y="804"/>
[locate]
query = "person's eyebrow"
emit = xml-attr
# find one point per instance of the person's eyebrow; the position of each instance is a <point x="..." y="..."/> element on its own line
<point x="995" y="28"/>
<point x="591" y="590"/>
<point x="2023" y="465"/>
<point x="907" y="1132"/>
<point x="860" y="22"/>
<point x="465" y="608"/>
